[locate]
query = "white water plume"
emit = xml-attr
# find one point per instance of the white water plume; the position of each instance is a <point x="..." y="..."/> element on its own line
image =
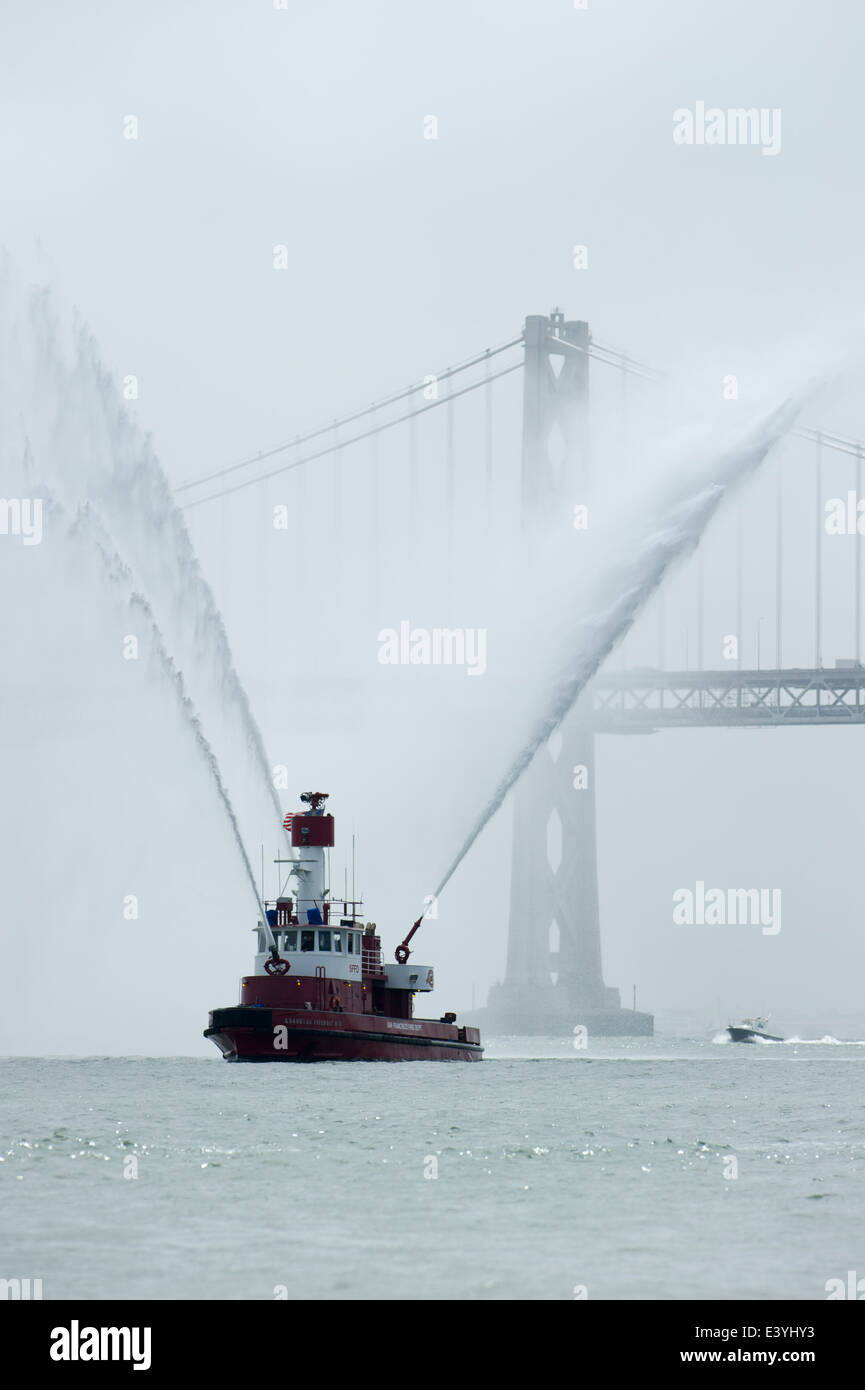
<point x="65" y="429"/>
<point x="87" y="528"/>
<point x="623" y="584"/>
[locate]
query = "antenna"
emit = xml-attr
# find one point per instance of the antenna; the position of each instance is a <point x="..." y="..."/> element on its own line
<point x="353" y="903"/>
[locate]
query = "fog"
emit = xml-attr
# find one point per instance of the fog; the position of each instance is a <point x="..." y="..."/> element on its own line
<point x="163" y="342"/>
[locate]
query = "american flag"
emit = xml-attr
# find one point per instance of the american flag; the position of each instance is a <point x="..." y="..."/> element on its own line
<point x="287" y="822"/>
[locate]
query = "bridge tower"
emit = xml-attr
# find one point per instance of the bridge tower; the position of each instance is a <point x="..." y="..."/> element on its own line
<point x="553" y="978"/>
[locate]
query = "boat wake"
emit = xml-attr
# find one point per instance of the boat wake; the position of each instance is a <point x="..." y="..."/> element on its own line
<point x="723" y="1040"/>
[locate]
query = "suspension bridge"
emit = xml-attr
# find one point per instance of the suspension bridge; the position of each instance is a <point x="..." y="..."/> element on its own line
<point x="761" y="627"/>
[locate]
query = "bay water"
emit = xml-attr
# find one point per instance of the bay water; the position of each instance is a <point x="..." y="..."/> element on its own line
<point x="631" y="1169"/>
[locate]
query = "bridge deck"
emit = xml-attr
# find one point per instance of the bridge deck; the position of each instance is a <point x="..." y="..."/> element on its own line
<point x="643" y="700"/>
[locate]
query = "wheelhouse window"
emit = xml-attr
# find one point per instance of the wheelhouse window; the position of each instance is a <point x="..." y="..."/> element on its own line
<point x="290" y="941"/>
<point x="349" y="942"/>
<point x="337" y="941"/>
<point x="324" y="941"/>
<point x="307" y="940"/>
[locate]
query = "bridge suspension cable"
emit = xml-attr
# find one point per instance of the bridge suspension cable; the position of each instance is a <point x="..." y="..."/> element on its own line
<point x="344" y="420"/>
<point x="854" y="447"/>
<point x="343" y="443"/>
<point x="607" y="356"/>
<point x="611" y="357"/>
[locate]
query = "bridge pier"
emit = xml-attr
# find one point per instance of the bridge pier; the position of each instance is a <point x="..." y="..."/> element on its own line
<point x="554" y="979"/>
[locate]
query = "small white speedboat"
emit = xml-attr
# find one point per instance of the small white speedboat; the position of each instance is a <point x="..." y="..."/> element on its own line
<point x="750" y="1029"/>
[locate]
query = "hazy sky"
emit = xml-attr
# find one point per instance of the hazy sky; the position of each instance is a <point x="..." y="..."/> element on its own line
<point x="304" y="127"/>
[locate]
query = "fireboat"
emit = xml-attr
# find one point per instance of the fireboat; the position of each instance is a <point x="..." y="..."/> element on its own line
<point x="320" y="990"/>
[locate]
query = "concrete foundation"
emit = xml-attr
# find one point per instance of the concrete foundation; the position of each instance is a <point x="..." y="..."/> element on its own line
<point x="535" y="1011"/>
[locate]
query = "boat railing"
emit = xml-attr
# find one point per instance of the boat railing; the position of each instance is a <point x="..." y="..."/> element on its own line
<point x="371" y="961"/>
<point x="335" y="912"/>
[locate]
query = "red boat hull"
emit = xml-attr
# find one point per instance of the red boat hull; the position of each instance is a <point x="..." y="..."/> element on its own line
<point x="250" y="1034"/>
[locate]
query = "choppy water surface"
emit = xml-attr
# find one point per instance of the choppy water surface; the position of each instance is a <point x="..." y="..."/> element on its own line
<point x="555" y="1168"/>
